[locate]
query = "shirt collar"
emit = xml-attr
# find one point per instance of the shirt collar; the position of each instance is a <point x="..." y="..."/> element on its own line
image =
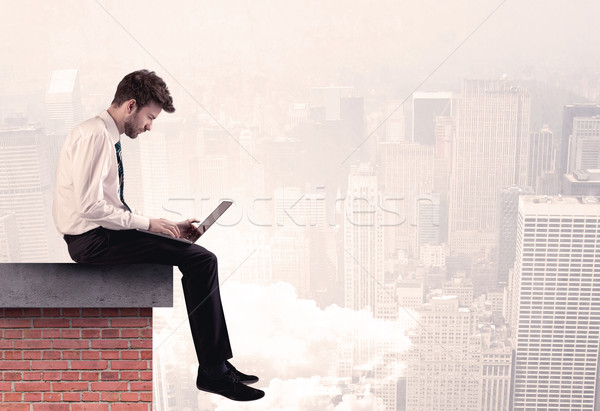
<point x="111" y="126"/>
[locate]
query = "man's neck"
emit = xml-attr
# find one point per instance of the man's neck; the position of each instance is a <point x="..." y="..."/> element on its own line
<point x="114" y="113"/>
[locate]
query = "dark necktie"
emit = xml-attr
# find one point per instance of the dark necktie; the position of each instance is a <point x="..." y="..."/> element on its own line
<point x="121" y="176"/>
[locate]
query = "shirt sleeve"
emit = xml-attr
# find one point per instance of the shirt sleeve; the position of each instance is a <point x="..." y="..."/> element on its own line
<point x="91" y="158"/>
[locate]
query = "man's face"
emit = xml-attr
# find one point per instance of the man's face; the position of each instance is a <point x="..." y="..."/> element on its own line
<point x="141" y="119"/>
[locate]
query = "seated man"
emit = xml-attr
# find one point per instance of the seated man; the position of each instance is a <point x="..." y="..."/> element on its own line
<point x="100" y="228"/>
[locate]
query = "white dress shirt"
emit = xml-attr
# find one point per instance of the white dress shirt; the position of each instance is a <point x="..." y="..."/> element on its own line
<point x="86" y="194"/>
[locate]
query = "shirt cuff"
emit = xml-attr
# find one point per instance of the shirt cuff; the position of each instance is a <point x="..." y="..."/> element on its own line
<point x="139" y="221"/>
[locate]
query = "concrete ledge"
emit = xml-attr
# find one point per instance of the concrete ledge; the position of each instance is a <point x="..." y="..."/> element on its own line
<point x="81" y="285"/>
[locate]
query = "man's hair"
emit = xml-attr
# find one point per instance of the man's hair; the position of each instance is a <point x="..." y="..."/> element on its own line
<point x="144" y="86"/>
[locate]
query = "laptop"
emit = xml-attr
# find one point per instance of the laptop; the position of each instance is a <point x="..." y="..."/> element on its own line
<point x="202" y="227"/>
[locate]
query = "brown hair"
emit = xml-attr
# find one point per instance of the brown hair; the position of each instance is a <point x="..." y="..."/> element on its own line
<point x="144" y="86"/>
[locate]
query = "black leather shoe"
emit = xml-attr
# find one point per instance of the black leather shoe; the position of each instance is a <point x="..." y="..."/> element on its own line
<point x="227" y="385"/>
<point x="245" y="378"/>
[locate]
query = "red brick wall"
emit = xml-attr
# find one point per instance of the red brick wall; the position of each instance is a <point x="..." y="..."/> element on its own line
<point x="96" y="359"/>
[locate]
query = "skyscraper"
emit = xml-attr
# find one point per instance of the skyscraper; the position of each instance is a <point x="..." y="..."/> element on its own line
<point x="490" y="152"/>
<point x="571" y="111"/>
<point x="584" y="144"/>
<point x="426" y="107"/>
<point x="63" y="101"/>
<point x="554" y="309"/>
<point x="542" y="155"/>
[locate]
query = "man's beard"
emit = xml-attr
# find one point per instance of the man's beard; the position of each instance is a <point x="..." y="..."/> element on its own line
<point x="131" y="128"/>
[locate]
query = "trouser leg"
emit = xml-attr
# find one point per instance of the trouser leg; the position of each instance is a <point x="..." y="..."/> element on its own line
<point x="200" y="279"/>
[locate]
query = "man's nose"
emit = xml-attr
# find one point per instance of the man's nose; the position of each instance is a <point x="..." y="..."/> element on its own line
<point x="149" y="126"/>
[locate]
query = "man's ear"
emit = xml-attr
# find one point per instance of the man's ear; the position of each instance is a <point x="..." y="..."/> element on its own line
<point x="130" y="106"/>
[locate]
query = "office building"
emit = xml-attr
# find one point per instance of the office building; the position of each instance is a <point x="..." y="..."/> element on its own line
<point x="582" y="183"/>
<point x="571" y="111"/>
<point x="554" y="309"/>
<point x="584" y="144"/>
<point x="542" y="155"/>
<point x="490" y="152"/>
<point x="426" y="107"/>
<point x="63" y="101"/>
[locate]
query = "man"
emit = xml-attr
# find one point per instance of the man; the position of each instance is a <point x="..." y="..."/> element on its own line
<point x="100" y="228"/>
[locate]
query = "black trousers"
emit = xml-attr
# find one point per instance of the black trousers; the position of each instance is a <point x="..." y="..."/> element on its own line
<point x="200" y="279"/>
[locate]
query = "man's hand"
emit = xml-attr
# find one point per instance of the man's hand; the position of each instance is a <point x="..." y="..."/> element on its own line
<point x="164" y="226"/>
<point x="188" y="230"/>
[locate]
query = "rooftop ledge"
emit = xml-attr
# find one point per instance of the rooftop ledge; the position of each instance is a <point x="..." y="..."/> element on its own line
<point x="82" y="285"/>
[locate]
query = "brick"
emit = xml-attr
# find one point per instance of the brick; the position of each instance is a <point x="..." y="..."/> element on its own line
<point x="89" y="376"/>
<point x="130" y="396"/>
<point x="90" y="355"/>
<point x="5" y="386"/>
<point x="14" y="323"/>
<point x="51" y="333"/>
<point x="14" y="407"/>
<point x="71" y="396"/>
<point x="71" y="355"/>
<point x="111" y="333"/>
<point x="6" y="344"/>
<point x="71" y="312"/>
<point x="146" y="312"/>
<point x="110" y="344"/>
<point x="51" y="323"/>
<point x="110" y="355"/>
<point x="13" y="396"/>
<point x="52" y="396"/>
<point x="32" y="376"/>
<point x="130" y="333"/>
<point x="90" y="312"/>
<point x="130" y="355"/>
<point x="109" y="376"/>
<point x="13" y="334"/>
<point x="90" y="396"/>
<point x="90" y="407"/>
<point x="66" y="344"/>
<point x="109" y="396"/>
<point x="146" y="333"/>
<point x="89" y="365"/>
<point x="129" y="312"/>
<point x="33" y="344"/>
<point x="90" y="322"/>
<point x="51" y="312"/>
<point x="146" y="354"/>
<point x="32" y="386"/>
<point x="129" y="365"/>
<point x="70" y="386"/>
<point x="70" y="333"/>
<point x="32" y="355"/>
<point x="129" y="376"/>
<point x="141" y="344"/>
<point x="50" y="365"/>
<point x="87" y="333"/>
<point x="129" y="322"/>
<point x="13" y="312"/>
<point x="110" y="312"/>
<point x="32" y="397"/>
<point x="146" y="396"/>
<point x="130" y="407"/>
<point x="51" y="407"/>
<point x="32" y="334"/>
<point x="109" y="386"/>
<point x="14" y="365"/>
<point x="13" y="376"/>
<point x="141" y="386"/>
<point x="69" y="376"/>
<point x="13" y="355"/>
<point x="32" y="312"/>
<point x="51" y="376"/>
<point x="52" y="355"/>
<point x="146" y="375"/>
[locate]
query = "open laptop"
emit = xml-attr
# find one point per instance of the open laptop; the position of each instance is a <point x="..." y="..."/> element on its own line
<point x="202" y="227"/>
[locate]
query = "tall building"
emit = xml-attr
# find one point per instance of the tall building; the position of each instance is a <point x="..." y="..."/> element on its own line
<point x="490" y="152"/>
<point x="426" y="107"/>
<point x="582" y="183"/>
<point x="363" y="240"/>
<point x="63" y="101"/>
<point x="554" y="309"/>
<point x="26" y="188"/>
<point x="542" y="155"/>
<point x="571" y="111"/>
<point x="584" y="144"/>
<point x="9" y="240"/>
<point x="507" y="228"/>
<point x="395" y="128"/>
